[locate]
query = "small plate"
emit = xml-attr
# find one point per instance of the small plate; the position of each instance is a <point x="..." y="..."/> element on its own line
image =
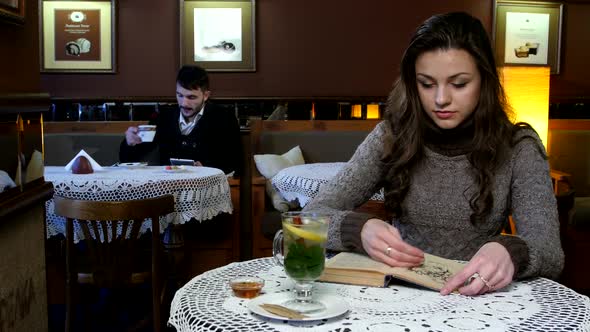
<point x="335" y="306"/>
<point x="175" y="169"/>
<point x="132" y="165"/>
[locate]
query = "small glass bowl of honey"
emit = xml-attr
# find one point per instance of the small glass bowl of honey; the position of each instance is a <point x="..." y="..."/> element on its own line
<point x="246" y="286"/>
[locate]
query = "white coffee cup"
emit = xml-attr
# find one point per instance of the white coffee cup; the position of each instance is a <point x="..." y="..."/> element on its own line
<point x="146" y="132"/>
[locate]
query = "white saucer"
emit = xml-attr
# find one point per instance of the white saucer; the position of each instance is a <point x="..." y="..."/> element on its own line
<point x="335" y="306"/>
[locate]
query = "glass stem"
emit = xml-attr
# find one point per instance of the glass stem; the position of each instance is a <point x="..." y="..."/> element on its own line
<point x="303" y="291"/>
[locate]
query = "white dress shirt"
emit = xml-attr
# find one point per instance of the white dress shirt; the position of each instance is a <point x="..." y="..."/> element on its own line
<point x="187" y="127"/>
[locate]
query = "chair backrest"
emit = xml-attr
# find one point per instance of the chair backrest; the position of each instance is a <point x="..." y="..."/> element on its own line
<point x="568" y="151"/>
<point x="111" y="231"/>
<point x="319" y="140"/>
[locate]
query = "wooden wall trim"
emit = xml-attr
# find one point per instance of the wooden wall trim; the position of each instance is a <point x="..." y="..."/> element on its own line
<point x="98" y="127"/>
<point x="315" y="125"/>
<point x="24" y="102"/>
<point x="257" y="126"/>
<point x="118" y="127"/>
<point x="172" y="99"/>
<point x="110" y="99"/>
<point x="12" y="98"/>
<point x="569" y="124"/>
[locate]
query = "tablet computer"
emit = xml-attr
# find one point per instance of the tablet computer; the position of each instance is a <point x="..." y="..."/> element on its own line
<point x="189" y="162"/>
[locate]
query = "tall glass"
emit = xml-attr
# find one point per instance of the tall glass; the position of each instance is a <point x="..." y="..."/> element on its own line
<point x="303" y="254"/>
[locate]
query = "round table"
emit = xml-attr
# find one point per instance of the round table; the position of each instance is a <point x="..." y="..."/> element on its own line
<point x="303" y="182"/>
<point x="199" y="192"/>
<point x="206" y="303"/>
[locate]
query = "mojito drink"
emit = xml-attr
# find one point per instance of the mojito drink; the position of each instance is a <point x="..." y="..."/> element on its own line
<point x="304" y="247"/>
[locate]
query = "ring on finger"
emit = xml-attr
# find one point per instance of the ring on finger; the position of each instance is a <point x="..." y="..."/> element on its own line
<point x="470" y="279"/>
<point x="486" y="282"/>
<point x="388" y="251"/>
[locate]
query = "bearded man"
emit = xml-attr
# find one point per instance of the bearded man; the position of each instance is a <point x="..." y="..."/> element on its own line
<point x="197" y="130"/>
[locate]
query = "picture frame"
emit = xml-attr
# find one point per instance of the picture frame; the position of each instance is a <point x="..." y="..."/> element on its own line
<point x="12" y="11"/>
<point x="218" y="35"/>
<point x="528" y="33"/>
<point x="77" y="36"/>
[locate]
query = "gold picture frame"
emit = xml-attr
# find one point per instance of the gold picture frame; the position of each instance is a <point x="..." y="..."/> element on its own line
<point x="77" y="36"/>
<point x="12" y="11"/>
<point x="218" y="35"/>
<point x="528" y="33"/>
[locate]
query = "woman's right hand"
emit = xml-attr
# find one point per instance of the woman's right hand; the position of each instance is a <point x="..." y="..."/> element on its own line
<point x="377" y="236"/>
<point x="131" y="136"/>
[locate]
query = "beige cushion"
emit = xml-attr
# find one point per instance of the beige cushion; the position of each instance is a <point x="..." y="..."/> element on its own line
<point x="35" y="167"/>
<point x="269" y="165"/>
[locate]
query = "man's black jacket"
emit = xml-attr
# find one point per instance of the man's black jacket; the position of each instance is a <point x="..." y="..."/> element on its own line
<point x="215" y="141"/>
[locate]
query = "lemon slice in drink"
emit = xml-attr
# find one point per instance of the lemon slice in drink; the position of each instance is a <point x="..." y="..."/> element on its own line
<point x="304" y="233"/>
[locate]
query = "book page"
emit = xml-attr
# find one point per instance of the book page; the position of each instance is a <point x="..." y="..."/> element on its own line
<point x="433" y="273"/>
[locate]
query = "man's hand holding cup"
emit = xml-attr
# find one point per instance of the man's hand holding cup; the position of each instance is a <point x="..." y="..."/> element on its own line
<point x="140" y="134"/>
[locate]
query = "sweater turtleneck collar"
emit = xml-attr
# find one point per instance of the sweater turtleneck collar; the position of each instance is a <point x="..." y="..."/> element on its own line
<point x="450" y="142"/>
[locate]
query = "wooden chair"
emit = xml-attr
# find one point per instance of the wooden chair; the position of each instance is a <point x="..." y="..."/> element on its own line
<point x="111" y="261"/>
<point x="560" y="181"/>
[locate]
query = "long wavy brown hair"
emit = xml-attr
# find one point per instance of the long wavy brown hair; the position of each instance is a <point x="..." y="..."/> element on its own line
<point x="493" y="130"/>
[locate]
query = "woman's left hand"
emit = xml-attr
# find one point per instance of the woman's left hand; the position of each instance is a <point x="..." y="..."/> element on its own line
<point x="490" y="268"/>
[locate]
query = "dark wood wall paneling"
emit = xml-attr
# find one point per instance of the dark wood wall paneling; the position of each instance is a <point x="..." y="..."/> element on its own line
<point x="304" y="48"/>
<point x="573" y="80"/>
<point x="19" y="53"/>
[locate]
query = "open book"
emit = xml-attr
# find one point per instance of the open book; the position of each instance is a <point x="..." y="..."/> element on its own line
<point x="357" y="269"/>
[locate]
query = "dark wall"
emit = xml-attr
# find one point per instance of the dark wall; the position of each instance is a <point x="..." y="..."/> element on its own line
<point x="574" y="78"/>
<point x="19" y="53"/>
<point x="304" y="48"/>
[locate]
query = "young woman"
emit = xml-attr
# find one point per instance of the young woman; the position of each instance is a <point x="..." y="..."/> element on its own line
<point x="453" y="167"/>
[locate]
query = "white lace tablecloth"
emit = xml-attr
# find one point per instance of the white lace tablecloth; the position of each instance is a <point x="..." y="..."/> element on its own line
<point x="199" y="192"/>
<point x="207" y="304"/>
<point x="303" y="182"/>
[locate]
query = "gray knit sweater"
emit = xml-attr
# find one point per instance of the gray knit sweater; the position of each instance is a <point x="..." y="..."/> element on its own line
<point x="436" y="211"/>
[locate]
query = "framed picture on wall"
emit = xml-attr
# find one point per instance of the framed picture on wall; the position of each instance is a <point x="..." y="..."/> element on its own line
<point x="77" y="36"/>
<point x="218" y="35"/>
<point x="12" y="11"/>
<point x="528" y="33"/>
